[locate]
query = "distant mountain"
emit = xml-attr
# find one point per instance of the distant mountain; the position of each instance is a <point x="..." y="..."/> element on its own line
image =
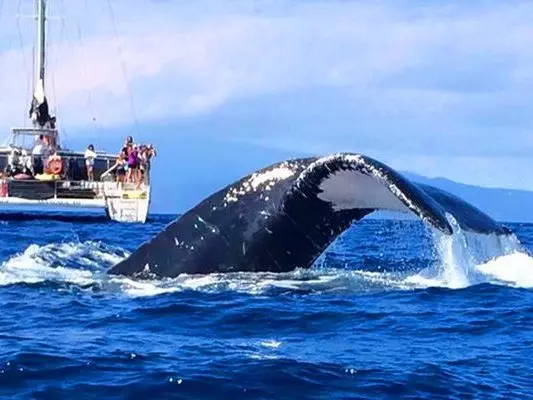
<point x="505" y="205"/>
<point x="192" y="165"/>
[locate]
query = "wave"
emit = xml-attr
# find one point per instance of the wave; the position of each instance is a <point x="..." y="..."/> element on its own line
<point x="462" y="259"/>
<point x="70" y="262"/>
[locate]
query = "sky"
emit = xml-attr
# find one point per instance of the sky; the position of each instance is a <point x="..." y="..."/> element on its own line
<point x="439" y="88"/>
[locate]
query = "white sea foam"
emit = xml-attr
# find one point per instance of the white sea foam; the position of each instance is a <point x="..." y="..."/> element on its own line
<point x="461" y="262"/>
<point x="514" y="269"/>
<point x="273" y="344"/>
<point x="51" y="263"/>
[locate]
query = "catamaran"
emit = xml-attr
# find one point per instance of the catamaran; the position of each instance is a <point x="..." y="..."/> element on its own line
<point x="58" y="179"/>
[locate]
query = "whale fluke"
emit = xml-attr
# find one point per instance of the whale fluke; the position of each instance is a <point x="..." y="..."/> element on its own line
<point x="285" y="215"/>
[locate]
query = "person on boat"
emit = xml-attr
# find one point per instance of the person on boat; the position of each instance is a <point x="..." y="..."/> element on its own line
<point x="120" y="167"/>
<point x="128" y="142"/>
<point x="39" y="146"/>
<point x="149" y="153"/>
<point x="52" y="122"/>
<point x="152" y="152"/>
<point x="13" y="166"/>
<point x="39" y="152"/>
<point x="26" y="163"/>
<point x="90" y="156"/>
<point x="133" y="165"/>
<point x="46" y="141"/>
<point x="143" y="164"/>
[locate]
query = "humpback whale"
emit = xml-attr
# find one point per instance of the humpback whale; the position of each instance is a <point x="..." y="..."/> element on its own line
<point x="284" y="216"/>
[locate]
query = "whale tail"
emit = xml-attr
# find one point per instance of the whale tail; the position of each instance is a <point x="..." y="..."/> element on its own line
<point x="285" y="215"/>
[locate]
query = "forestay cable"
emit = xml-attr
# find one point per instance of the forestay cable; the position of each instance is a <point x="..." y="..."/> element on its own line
<point x="123" y="64"/>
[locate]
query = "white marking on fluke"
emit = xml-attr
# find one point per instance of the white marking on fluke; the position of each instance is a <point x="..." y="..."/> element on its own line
<point x="264" y="181"/>
<point x="349" y="189"/>
<point x="335" y="185"/>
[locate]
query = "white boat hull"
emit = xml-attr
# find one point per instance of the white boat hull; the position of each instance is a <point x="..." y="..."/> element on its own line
<point x="128" y="206"/>
<point x="122" y="203"/>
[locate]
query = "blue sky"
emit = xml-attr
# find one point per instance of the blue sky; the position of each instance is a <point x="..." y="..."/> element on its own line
<point x="441" y="88"/>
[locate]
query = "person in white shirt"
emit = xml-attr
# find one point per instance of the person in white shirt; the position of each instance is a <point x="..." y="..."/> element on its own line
<point x="39" y="147"/>
<point x="39" y="153"/>
<point x="90" y="155"/>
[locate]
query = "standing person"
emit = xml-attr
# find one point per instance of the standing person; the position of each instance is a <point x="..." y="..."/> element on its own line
<point x="39" y="153"/>
<point x="142" y="164"/>
<point x="133" y="165"/>
<point x="150" y="152"/>
<point x="39" y="147"/>
<point x="120" y="166"/>
<point x="90" y="155"/>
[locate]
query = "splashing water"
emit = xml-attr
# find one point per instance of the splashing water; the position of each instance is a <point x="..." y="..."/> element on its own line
<point x="461" y="260"/>
<point x="466" y="259"/>
<point x="76" y="263"/>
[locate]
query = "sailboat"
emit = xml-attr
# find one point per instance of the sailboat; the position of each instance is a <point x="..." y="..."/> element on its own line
<point x="44" y="176"/>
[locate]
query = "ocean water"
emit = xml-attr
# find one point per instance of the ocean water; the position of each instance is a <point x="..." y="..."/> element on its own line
<point x="392" y="310"/>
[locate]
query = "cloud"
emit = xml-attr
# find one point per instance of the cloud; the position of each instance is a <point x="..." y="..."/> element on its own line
<point x="436" y="79"/>
<point x="207" y="55"/>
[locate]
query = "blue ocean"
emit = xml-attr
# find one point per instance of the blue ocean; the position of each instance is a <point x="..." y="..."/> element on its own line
<point x="391" y="310"/>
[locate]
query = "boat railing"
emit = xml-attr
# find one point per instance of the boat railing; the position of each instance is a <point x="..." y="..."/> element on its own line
<point x="73" y="166"/>
<point x="18" y="135"/>
<point x="72" y="189"/>
<point x="34" y="131"/>
<point x="107" y="172"/>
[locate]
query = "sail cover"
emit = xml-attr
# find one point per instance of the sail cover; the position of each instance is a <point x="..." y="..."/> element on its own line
<point x="39" y="111"/>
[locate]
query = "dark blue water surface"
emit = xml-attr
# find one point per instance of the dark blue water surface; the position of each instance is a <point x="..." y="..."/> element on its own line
<point x="391" y="311"/>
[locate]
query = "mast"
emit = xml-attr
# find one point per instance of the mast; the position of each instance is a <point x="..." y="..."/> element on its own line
<point x="40" y="48"/>
<point x="39" y="112"/>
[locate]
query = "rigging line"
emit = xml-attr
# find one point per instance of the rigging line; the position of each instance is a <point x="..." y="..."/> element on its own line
<point x="6" y="140"/>
<point x="9" y="43"/>
<point x="123" y="64"/>
<point x="51" y="72"/>
<point x="95" y="116"/>
<point x="57" y="53"/>
<point x="86" y="79"/>
<point x="61" y="41"/>
<point x="61" y="46"/>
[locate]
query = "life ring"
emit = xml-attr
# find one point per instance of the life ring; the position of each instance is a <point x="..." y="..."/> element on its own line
<point x="54" y="166"/>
